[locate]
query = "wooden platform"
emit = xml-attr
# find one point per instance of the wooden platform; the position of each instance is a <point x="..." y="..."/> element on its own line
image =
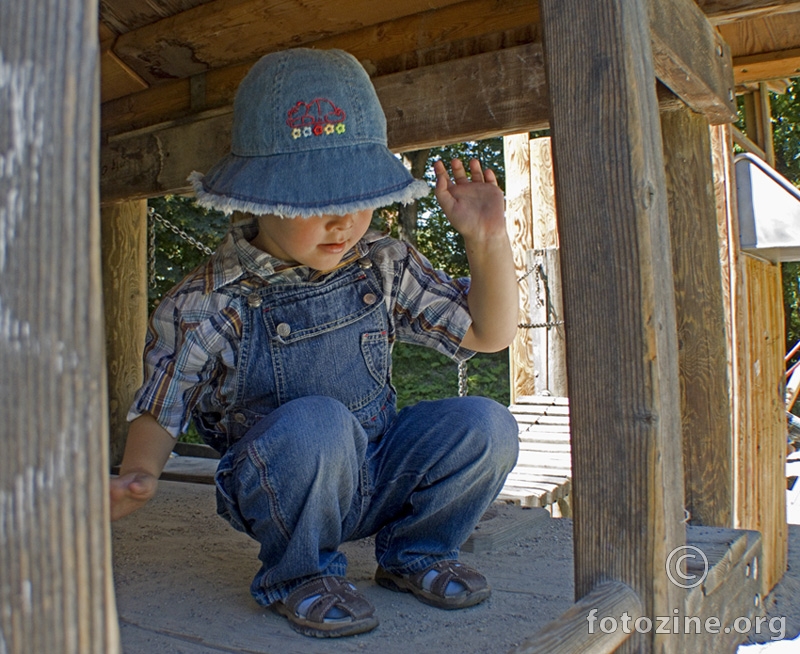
<point x="543" y="474"/>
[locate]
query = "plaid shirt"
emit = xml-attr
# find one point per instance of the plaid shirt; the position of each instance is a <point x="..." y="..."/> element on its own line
<point x="191" y="350"/>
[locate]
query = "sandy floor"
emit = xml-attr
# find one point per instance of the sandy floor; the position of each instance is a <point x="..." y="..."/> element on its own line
<point x="182" y="578"/>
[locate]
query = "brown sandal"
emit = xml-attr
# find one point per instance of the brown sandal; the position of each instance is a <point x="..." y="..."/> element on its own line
<point x="475" y="587"/>
<point x="332" y="592"/>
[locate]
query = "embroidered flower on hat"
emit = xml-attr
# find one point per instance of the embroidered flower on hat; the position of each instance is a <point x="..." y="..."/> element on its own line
<point x="320" y="116"/>
<point x="296" y="133"/>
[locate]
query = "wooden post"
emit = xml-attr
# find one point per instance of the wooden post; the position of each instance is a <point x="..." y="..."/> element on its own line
<point x="124" y="253"/>
<point x="618" y="302"/>
<point x="520" y="225"/>
<point x="56" y="593"/>
<point x="702" y="357"/>
<point x="753" y="298"/>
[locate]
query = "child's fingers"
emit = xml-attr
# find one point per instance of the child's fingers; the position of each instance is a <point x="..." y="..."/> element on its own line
<point x="475" y="170"/>
<point x="489" y="177"/>
<point x="459" y="172"/>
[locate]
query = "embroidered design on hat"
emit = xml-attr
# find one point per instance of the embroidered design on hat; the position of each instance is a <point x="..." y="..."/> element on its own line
<point x="320" y="116"/>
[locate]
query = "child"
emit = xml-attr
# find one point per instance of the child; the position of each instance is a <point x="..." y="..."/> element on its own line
<point x="279" y="348"/>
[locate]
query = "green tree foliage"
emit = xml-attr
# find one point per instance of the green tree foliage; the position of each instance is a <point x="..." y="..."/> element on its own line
<point x="435" y="238"/>
<point x="174" y="256"/>
<point x="786" y="139"/>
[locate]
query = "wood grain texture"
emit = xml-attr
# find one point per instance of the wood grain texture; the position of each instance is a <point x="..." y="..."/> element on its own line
<point x="725" y="11"/>
<point x="56" y="593"/>
<point x="519" y="223"/>
<point x="752" y="300"/>
<point x="124" y="249"/>
<point x="226" y="32"/>
<point x="762" y="451"/>
<point x="572" y="633"/>
<point x="618" y="301"/>
<point x="705" y="404"/>
<point x="692" y="59"/>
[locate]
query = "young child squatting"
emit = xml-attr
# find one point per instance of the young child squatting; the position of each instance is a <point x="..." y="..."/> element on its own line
<point x="279" y="349"/>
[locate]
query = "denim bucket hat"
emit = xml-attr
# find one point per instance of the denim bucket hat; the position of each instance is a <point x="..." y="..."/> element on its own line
<point x="309" y="138"/>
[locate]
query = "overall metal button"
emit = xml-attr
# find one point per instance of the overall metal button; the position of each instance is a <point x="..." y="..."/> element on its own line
<point x="370" y="298"/>
<point x="365" y="263"/>
<point x="254" y="301"/>
<point x="239" y="417"/>
<point x="283" y="329"/>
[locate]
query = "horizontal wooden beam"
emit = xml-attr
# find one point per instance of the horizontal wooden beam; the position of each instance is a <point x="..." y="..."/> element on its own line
<point x="420" y="37"/>
<point x="692" y="59"/>
<point x="728" y="11"/>
<point x="226" y="32"/>
<point x="472" y="98"/>
<point x="578" y="630"/>
<point x="767" y="66"/>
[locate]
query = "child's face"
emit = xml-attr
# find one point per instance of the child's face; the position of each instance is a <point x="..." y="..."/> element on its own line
<point x="319" y="242"/>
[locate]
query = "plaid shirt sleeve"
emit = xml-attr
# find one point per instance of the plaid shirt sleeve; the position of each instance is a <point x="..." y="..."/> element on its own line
<point x="431" y="308"/>
<point x="181" y="352"/>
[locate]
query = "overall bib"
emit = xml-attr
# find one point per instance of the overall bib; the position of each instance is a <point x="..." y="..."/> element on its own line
<point x="318" y="454"/>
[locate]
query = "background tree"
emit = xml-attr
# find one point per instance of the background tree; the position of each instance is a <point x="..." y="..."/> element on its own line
<point x="786" y="138"/>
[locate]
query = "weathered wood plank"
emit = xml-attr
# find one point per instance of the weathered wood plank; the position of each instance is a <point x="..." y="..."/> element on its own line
<point x="766" y="66"/>
<point x="124" y="248"/>
<point x="692" y="59"/>
<point x="419" y="114"/>
<point x="726" y="11"/>
<point x="618" y="301"/>
<point x="519" y="222"/>
<point x="572" y="633"/>
<point x="705" y="404"/>
<point x="429" y="35"/>
<point x="761" y="459"/>
<point x="56" y="593"/>
<point x="227" y="32"/>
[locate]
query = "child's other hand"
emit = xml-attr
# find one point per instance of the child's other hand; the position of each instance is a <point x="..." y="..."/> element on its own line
<point x="475" y="207"/>
<point x="130" y="492"/>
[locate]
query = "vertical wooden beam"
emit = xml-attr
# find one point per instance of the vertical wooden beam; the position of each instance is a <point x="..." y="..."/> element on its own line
<point x="754" y="326"/>
<point x="519" y="223"/>
<point x="56" y="593"/>
<point x="618" y="302"/>
<point x="124" y="251"/>
<point x="705" y="403"/>
<point x="762" y="454"/>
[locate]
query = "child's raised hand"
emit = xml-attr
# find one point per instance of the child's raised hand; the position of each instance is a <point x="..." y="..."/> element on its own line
<point x="130" y="492"/>
<point x="474" y="205"/>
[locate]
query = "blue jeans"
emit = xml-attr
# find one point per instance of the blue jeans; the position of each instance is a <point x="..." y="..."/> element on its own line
<point x="307" y="478"/>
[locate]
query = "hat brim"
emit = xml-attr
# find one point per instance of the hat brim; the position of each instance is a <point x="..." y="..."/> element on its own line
<point x="303" y="184"/>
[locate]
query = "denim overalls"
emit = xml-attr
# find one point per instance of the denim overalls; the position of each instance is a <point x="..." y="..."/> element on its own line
<point x="319" y="455"/>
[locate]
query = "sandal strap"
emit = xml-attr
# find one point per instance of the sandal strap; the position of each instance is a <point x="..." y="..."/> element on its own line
<point x="333" y="592"/>
<point x="448" y="571"/>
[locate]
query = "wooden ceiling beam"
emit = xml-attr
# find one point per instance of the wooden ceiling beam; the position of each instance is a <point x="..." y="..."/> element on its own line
<point x="472" y="98"/>
<point x="692" y="59"/>
<point x="227" y="32"/>
<point x="767" y="66"/>
<point x="432" y="32"/>
<point x="728" y="11"/>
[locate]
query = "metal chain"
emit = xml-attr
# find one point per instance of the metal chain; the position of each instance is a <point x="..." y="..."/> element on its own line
<point x="540" y="325"/>
<point x="462" y="378"/>
<point x="151" y="254"/>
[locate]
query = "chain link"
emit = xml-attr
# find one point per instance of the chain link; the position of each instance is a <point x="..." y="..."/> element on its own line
<point x="462" y="378"/>
<point x="151" y="254"/>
